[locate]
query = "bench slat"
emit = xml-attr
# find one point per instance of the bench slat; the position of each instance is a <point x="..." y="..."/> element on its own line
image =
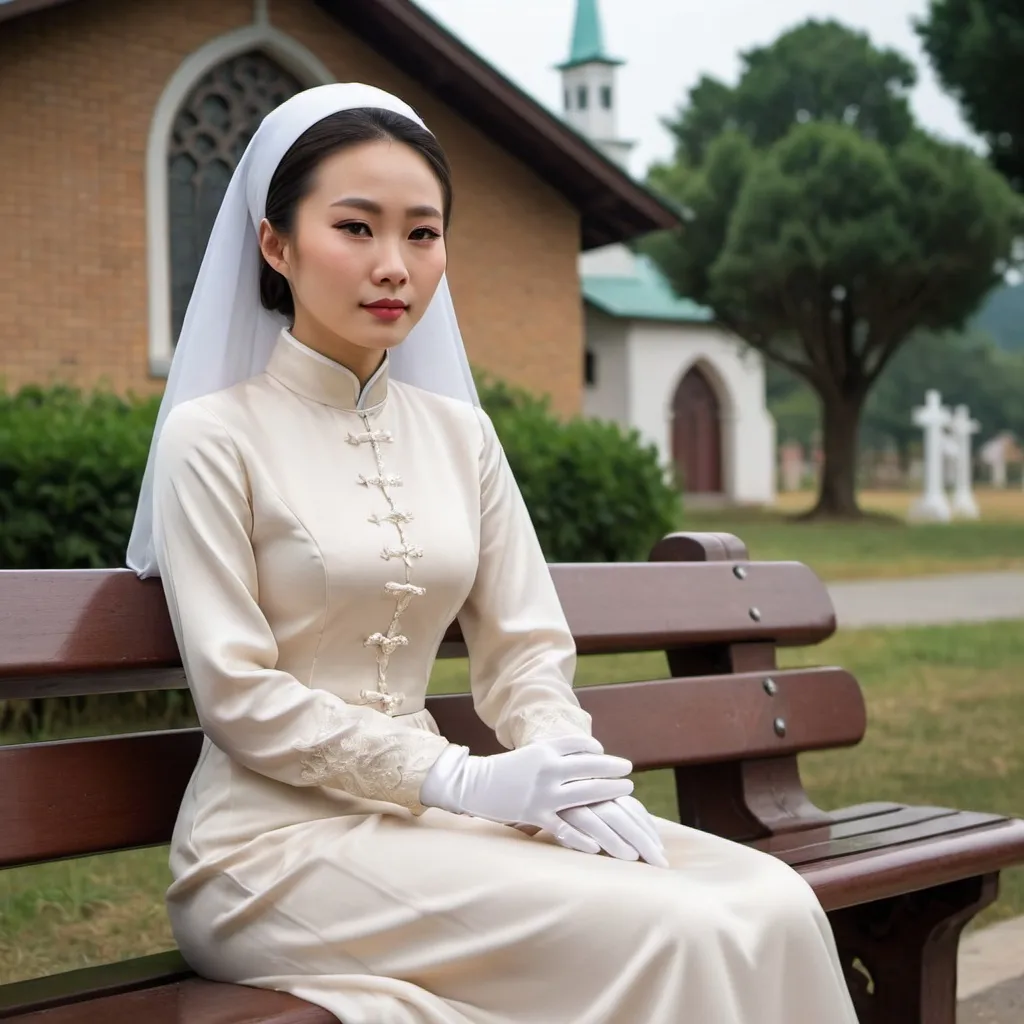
<point x="193" y="1001"/>
<point x="869" y="810"/>
<point x="82" y="622"/>
<point x="859" y="826"/>
<point x="915" y="865"/>
<point x="119" y="792"/>
<point x="928" y="826"/>
<point x="92" y="983"/>
<point x="77" y="797"/>
<point x="703" y="719"/>
<point x="89" y="684"/>
<point x="728" y="718"/>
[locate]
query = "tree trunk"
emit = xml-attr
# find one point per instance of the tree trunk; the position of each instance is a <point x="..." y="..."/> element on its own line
<point x="837" y="497"/>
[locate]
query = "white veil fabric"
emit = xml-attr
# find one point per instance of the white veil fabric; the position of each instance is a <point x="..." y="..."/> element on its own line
<point x="227" y="336"/>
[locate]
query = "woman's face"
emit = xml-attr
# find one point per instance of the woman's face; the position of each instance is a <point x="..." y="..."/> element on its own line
<point x="367" y="252"/>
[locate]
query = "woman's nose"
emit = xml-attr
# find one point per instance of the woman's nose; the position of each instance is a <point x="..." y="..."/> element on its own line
<point x="391" y="266"/>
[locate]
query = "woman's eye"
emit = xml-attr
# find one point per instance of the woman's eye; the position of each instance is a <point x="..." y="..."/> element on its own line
<point x="357" y="228"/>
<point x="424" y="234"/>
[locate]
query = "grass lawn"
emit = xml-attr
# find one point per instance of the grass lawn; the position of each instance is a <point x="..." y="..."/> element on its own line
<point x="877" y="547"/>
<point x="945" y="720"/>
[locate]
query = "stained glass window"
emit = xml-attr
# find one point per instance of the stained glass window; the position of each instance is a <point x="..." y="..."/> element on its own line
<point x="209" y="135"/>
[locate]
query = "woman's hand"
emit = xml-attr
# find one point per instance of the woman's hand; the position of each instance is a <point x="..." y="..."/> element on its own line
<point x="530" y="785"/>
<point x="623" y="828"/>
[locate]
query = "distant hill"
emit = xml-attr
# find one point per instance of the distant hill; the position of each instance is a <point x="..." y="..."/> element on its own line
<point x="1002" y="316"/>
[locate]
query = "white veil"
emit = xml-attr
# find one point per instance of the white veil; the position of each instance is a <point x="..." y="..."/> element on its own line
<point x="227" y="336"/>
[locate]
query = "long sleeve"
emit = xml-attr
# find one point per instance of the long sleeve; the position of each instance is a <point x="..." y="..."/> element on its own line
<point x="521" y="651"/>
<point x="265" y="719"/>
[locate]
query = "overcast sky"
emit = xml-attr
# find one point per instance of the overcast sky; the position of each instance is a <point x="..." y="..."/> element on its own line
<point x="668" y="44"/>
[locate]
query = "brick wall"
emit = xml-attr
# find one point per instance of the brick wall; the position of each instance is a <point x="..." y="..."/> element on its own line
<point x="78" y="87"/>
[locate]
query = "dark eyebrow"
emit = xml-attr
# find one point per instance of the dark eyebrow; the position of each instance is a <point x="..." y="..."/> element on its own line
<point x="424" y="211"/>
<point x="371" y="207"/>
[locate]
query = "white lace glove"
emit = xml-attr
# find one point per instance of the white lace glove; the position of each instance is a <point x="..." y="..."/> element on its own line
<point x="530" y="785"/>
<point x="623" y="828"/>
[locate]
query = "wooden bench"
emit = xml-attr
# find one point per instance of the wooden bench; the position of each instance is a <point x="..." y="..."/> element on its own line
<point x="899" y="882"/>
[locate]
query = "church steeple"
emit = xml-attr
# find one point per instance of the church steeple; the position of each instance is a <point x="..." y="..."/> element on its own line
<point x="587" y="37"/>
<point x="589" y="91"/>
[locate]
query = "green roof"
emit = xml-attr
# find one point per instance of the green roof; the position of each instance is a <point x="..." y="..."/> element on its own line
<point x="645" y="296"/>
<point x="587" y="38"/>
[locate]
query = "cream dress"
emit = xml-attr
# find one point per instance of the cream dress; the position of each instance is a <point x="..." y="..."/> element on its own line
<point x="315" y="539"/>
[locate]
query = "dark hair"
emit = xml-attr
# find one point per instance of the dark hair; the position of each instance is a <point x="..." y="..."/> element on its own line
<point x="292" y="181"/>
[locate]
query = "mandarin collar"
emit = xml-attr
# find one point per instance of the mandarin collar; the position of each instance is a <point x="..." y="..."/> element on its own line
<point x="314" y="376"/>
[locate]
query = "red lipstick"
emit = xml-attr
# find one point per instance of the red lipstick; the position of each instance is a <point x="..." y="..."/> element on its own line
<point x="386" y="309"/>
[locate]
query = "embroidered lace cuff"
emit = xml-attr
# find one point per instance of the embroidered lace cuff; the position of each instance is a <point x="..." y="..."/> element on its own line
<point x="545" y="721"/>
<point x="375" y="765"/>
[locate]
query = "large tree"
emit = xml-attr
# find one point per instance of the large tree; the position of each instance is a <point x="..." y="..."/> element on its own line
<point x="977" y="50"/>
<point x="818" y="71"/>
<point x="826" y="237"/>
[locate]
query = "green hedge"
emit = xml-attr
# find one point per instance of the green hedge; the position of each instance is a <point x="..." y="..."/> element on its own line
<point x="70" y="470"/>
<point x="595" y="492"/>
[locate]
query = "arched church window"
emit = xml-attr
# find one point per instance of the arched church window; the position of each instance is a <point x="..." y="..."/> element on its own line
<point x="606" y="97"/>
<point x="209" y="135"/>
<point x="581" y="97"/>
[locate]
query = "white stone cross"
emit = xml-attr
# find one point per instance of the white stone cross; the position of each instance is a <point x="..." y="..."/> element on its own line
<point x="933" y="417"/>
<point x="962" y="427"/>
<point x="950" y="459"/>
<point x="994" y="455"/>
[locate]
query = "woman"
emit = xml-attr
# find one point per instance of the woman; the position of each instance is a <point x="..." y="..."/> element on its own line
<point x="323" y="498"/>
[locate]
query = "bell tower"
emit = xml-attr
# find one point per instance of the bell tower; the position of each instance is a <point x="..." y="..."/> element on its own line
<point x="589" y="88"/>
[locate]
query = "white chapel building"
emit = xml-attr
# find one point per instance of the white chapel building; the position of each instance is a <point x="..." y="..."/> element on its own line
<point x="657" y="362"/>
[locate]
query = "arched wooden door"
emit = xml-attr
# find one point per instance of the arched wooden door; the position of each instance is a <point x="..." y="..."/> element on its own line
<point x="697" y="434"/>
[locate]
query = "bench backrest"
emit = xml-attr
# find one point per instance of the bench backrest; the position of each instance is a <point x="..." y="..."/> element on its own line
<point x="728" y="720"/>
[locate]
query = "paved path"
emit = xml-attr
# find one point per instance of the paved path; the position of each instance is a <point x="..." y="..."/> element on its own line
<point x="992" y="958"/>
<point x="1003" y="1004"/>
<point x="929" y="600"/>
